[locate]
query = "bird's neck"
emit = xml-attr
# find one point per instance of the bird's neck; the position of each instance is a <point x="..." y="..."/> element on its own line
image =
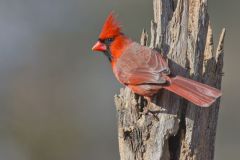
<point x="118" y="46"/>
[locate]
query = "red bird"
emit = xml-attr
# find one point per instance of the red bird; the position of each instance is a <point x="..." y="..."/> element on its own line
<point x="144" y="70"/>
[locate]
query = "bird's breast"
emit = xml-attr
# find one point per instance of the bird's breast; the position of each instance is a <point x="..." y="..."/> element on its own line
<point x="117" y="72"/>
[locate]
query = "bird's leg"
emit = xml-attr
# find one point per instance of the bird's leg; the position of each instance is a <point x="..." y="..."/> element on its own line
<point x="146" y="105"/>
<point x="151" y="108"/>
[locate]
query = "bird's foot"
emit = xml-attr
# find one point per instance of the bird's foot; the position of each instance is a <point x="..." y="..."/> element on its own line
<point x="151" y="109"/>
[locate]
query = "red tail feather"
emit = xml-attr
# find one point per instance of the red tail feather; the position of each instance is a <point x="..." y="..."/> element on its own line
<point x="195" y="92"/>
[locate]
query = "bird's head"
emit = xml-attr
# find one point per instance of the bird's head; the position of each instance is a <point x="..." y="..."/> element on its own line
<point x="111" y="39"/>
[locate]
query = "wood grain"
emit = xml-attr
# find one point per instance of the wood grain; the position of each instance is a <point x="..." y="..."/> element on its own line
<point x="174" y="129"/>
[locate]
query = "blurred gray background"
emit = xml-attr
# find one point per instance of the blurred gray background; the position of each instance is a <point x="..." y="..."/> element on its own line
<point x="56" y="96"/>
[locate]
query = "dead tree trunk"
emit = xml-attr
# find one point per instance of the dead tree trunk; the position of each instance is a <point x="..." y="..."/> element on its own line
<point x="181" y="30"/>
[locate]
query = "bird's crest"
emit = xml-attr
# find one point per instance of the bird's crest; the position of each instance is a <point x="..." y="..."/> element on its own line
<point x="110" y="28"/>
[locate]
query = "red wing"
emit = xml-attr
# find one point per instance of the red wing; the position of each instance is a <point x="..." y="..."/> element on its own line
<point x="141" y="65"/>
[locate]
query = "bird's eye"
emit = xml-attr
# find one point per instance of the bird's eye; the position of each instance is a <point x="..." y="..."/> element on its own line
<point x="109" y="40"/>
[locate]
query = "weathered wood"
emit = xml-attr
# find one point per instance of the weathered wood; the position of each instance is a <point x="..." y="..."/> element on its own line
<point x="176" y="129"/>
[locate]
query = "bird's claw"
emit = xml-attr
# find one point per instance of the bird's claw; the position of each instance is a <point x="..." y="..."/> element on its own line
<point x="151" y="109"/>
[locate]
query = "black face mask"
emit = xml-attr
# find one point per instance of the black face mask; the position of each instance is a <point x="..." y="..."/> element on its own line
<point x="107" y="42"/>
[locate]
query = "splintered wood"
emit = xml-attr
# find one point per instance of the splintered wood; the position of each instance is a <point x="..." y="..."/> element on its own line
<point x="174" y="129"/>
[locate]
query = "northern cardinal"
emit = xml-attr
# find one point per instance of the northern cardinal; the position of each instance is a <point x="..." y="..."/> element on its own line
<point x="144" y="70"/>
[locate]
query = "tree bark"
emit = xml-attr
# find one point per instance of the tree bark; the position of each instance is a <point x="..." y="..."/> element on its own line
<point x="176" y="129"/>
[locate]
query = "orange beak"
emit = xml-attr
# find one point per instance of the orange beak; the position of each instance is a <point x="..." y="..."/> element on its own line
<point x="99" y="47"/>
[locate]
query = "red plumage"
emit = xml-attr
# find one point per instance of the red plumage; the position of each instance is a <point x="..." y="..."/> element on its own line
<point x="144" y="70"/>
<point x="110" y="28"/>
